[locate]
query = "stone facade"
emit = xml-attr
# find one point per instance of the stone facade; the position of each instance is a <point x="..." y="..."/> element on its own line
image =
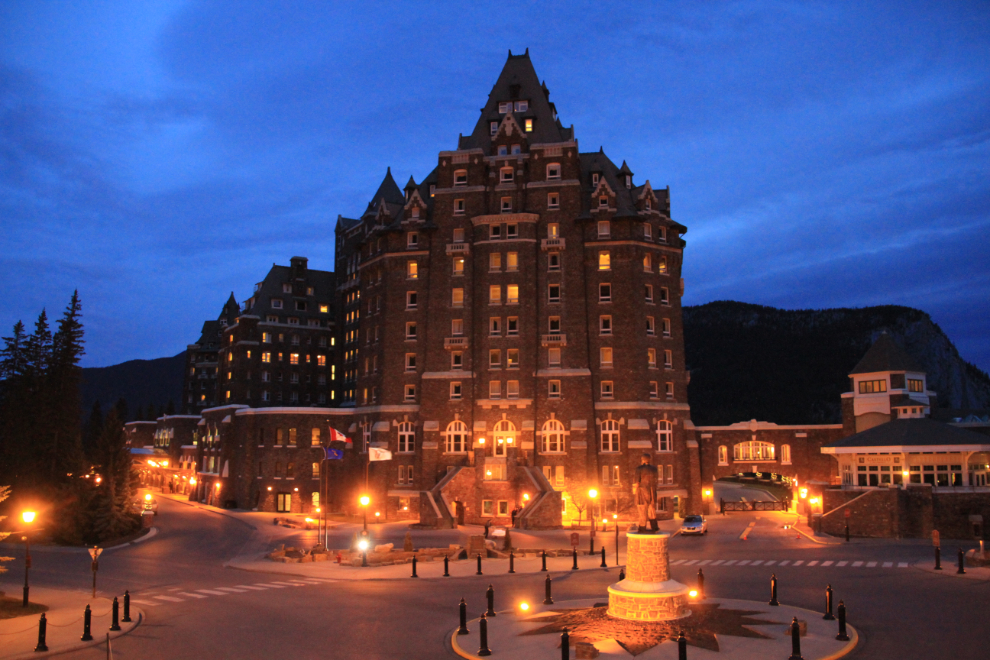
<point x="647" y="593"/>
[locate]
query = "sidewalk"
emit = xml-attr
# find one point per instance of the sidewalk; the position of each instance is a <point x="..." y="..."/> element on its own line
<point x="18" y="637"/>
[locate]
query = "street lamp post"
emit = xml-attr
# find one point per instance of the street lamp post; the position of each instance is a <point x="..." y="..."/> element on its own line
<point x="28" y="518"/>
<point x="95" y="554"/>
<point x="365" y="500"/>
<point x="592" y="495"/>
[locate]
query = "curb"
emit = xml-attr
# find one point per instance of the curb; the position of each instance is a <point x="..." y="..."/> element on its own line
<point x="811" y="538"/>
<point x="841" y="653"/>
<point x="77" y="647"/>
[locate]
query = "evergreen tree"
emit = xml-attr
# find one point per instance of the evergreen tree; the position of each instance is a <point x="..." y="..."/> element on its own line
<point x="65" y="378"/>
<point x="121" y="409"/>
<point x="13" y="376"/>
<point x="94" y="427"/>
<point x="111" y="517"/>
<point x="4" y="494"/>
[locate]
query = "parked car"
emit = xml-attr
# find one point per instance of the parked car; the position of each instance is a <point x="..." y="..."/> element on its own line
<point x="694" y="525"/>
<point x="147" y="503"/>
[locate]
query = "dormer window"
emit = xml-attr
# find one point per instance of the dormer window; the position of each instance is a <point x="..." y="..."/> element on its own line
<point x="594" y="180"/>
<point x="529" y="126"/>
<point x="460" y="177"/>
<point x="603" y="202"/>
<point x="503" y="150"/>
<point x="516" y="150"/>
<point x="505" y="175"/>
<point x="415" y="213"/>
<point x="494" y="128"/>
<point x="522" y="106"/>
<point x="649" y="204"/>
<point x="504" y="107"/>
<point x="553" y="171"/>
<point x="506" y="205"/>
<point x="276" y="303"/>
<point x="286" y="288"/>
<point x="433" y="189"/>
<point x="628" y="181"/>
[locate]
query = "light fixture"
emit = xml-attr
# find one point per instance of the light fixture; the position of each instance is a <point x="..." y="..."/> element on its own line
<point x="524" y="606"/>
<point x="510" y="440"/>
<point x="147" y="497"/>
<point x="592" y="493"/>
<point x="905" y="473"/>
<point x="28" y="516"/>
<point x="708" y="492"/>
<point x="377" y="513"/>
<point x="526" y="497"/>
<point x="804" y="493"/>
<point x="296" y="489"/>
<point x="365" y="500"/>
<point x="192" y="481"/>
<point x="693" y="593"/>
<point x="218" y="485"/>
<point x="363" y="544"/>
<point x="269" y="489"/>
<point x="481" y="441"/>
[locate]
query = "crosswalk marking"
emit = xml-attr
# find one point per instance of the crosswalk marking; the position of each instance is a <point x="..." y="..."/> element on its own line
<point x="768" y="563"/>
<point x="888" y="564"/>
<point x="271" y="585"/>
<point x="799" y="562"/>
<point x="871" y="564"/>
<point x="252" y="587"/>
<point x="785" y="562"/>
<point x="757" y="562"/>
<point x="231" y="590"/>
<point x="743" y="562"/>
<point x="169" y="599"/>
<point x="857" y="564"/>
<point x="704" y="561"/>
<point x="679" y="561"/>
<point x="693" y="561"/>
<point x="811" y="563"/>
<point x="189" y="595"/>
<point x="145" y="602"/>
<point x="717" y="562"/>
<point x="211" y="592"/>
<point x="902" y="564"/>
<point x="842" y="563"/>
<point x="286" y="583"/>
<point x="827" y="563"/>
<point x="312" y="581"/>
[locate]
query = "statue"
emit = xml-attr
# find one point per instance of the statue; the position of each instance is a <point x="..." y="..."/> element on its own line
<point x="645" y="489"/>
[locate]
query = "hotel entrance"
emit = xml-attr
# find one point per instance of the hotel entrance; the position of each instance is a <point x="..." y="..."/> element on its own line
<point x="283" y="502"/>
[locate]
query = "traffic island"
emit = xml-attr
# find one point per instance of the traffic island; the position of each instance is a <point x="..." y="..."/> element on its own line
<point x="13" y="608"/>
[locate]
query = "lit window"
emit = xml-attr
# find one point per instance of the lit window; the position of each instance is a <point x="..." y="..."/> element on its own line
<point x="512" y="294"/>
<point x="266" y="337"/>
<point x="665" y="436"/>
<point x="266" y="357"/>
<point x="529" y="126"/>
<point x="456" y="437"/>
<point x="651" y="357"/>
<point x="723" y="455"/>
<point x="458" y="265"/>
<point x="785" y="454"/>
<point x="753" y="450"/>
<point x="321" y="360"/>
<point x="412" y="270"/>
<point x="647" y="263"/>
<point x="294" y="358"/>
<point x="604" y="261"/>
<point x="512" y="358"/>
<point x="553" y="230"/>
<point x="663" y="265"/>
<point x="512" y="261"/>
<point x="457" y="297"/>
<point x="494" y="294"/>
<point x="495" y="261"/>
<point x="606" y="356"/>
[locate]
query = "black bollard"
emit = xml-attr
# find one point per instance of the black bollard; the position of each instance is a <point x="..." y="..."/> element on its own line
<point x="828" y="604"/>
<point x="565" y="645"/>
<point x="42" y="634"/>
<point x="622" y="574"/>
<point x="592" y="549"/>
<point x="446" y="566"/>
<point x="544" y="569"/>
<point x="681" y="646"/>
<point x="463" y="629"/>
<point x="574" y="554"/>
<point x="547" y="586"/>
<point x="842" y="636"/>
<point x="773" y="590"/>
<point x="479" y="565"/>
<point x="414" y="567"/>
<point x="512" y="562"/>
<point x="795" y="640"/>
<point x="127" y="607"/>
<point x="604" y="565"/>
<point x="490" y="595"/>
<point x="847" y="531"/>
<point x="364" y="559"/>
<point x="483" y="630"/>
<point x="115" y="623"/>
<point x="962" y="557"/>
<point x="701" y="585"/>
<point x="87" y="635"/>
<point x="938" y="558"/>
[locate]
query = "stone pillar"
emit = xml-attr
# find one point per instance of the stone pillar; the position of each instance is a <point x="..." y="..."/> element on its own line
<point x="648" y="593"/>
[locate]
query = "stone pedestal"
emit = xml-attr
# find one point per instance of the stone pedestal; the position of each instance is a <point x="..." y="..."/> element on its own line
<point x="648" y="593"/>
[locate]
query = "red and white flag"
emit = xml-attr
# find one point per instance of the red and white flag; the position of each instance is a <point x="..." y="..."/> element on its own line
<point x="376" y="454"/>
<point x="337" y="436"/>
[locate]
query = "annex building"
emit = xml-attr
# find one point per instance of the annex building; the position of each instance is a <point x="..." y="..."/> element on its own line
<point x="509" y="328"/>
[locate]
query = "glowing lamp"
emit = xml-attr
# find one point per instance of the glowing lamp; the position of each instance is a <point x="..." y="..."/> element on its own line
<point x="377" y="513"/>
<point x="524" y="606"/>
<point x="604" y="521"/>
<point x="192" y="481"/>
<point x="615" y="516"/>
<point x="147" y="497"/>
<point x="708" y="492"/>
<point x="804" y="493"/>
<point x="269" y="489"/>
<point x="317" y="509"/>
<point x="296" y="489"/>
<point x="28" y="516"/>
<point x="814" y="500"/>
<point x="500" y="441"/>
<point x="405" y="508"/>
<point x="481" y="441"/>
<point x="489" y="473"/>
<point x="592" y="493"/>
<point x="693" y="593"/>
<point x="310" y="520"/>
<point x="905" y="473"/>
<point x="526" y="497"/>
<point x="164" y="463"/>
<point x="363" y="544"/>
<point x="99" y="479"/>
<point x="365" y="500"/>
<point x="509" y="440"/>
<point x="218" y="485"/>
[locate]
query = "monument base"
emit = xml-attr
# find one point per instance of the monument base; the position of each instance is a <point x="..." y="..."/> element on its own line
<point x="648" y="601"/>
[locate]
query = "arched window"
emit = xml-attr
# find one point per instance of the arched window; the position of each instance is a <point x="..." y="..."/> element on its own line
<point x="503" y="435"/>
<point x="553" y="437"/>
<point x="610" y="435"/>
<point x="665" y="436"/>
<point x="723" y="455"/>
<point x="753" y="451"/>
<point x="407" y="437"/>
<point x="785" y="454"/>
<point x="457" y="434"/>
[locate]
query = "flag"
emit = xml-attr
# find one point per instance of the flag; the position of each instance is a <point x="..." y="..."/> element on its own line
<point x="334" y="454"/>
<point x="376" y="454"/>
<point x="337" y="436"/>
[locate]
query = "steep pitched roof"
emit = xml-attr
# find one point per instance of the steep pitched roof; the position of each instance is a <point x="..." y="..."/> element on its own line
<point x="230" y="310"/>
<point x="911" y="432"/>
<point x="387" y="190"/>
<point x="518" y="81"/>
<point x="885" y="355"/>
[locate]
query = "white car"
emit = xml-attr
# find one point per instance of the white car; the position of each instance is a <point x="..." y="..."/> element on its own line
<point x="694" y="525"/>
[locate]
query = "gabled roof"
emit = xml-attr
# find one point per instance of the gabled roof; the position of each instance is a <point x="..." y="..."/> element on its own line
<point x="885" y="355"/>
<point x="519" y="76"/>
<point x="918" y="432"/>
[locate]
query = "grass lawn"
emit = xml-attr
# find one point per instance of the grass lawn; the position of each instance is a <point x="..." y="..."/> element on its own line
<point x="10" y="608"/>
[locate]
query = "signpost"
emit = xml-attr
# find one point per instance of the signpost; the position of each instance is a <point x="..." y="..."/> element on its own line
<point x="95" y="553"/>
<point x="937" y="544"/>
<point x="575" y="539"/>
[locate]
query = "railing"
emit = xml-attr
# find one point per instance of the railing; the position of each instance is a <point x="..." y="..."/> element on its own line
<point x="458" y="248"/>
<point x="753" y="506"/>
<point x="554" y="339"/>
<point x="552" y="244"/>
<point x="455" y="342"/>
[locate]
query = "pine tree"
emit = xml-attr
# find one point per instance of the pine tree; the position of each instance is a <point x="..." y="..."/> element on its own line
<point x="113" y="497"/>
<point x="4" y="494"/>
<point x="13" y="374"/>
<point x="94" y="427"/>
<point x="65" y="378"/>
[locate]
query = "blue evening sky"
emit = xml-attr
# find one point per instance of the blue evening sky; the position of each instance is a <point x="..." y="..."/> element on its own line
<point x="159" y="155"/>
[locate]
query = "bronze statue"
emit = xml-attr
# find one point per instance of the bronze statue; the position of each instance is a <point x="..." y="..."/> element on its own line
<point x="645" y="489"/>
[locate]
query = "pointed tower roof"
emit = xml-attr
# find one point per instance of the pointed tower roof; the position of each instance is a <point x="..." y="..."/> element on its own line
<point x="624" y="170"/>
<point x="230" y="310"/>
<point x="411" y="185"/>
<point x="389" y="190"/>
<point x="518" y="82"/>
<point x="885" y="355"/>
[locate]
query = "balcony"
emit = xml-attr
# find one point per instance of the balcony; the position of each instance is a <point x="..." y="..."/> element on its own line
<point x="459" y="248"/>
<point x="455" y="342"/>
<point x="554" y="339"/>
<point x="552" y="244"/>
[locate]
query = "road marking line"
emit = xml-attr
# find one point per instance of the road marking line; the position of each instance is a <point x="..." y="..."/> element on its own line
<point x="693" y="561"/>
<point x="211" y="592"/>
<point x="271" y="585"/>
<point x="743" y="562"/>
<point x="810" y="563"/>
<point x="857" y="564"/>
<point x="298" y="583"/>
<point x="785" y="562"/>
<point x="716" y="563"/>
<point x="175" y="588"/>
<point x="679" y="561"/>
<point x="871" y="564"/>
<point x="768" y="563"/>
<point x="798" y="562"/>
<point x="186" y="593"/>
<point x="248" y="586"/>
<point x="312" y="581"/>
<point x="888" y="564"/>
<point x="704" y="561"/>
<point x="757" y="562"/>
<point x="828" y="563"/>
<point x="231" y="589"/>
<point x="902" y="564"/>
<point x="286" y="584"/>
<point x="145" y="602"/>
<point x="842" y="563"/>
<point x="169" y="599"/>
<point x="731" y="562"/>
